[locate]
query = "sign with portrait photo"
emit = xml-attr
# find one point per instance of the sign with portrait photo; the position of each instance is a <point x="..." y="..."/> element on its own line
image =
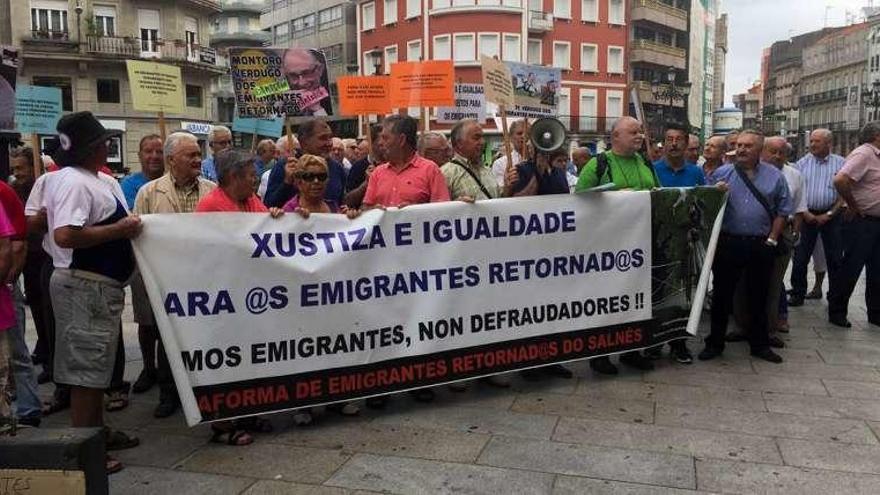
<point x="280" y="82"/>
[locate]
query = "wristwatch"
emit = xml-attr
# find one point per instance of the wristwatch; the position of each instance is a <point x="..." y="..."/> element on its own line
<point x="771" y="242"/>
<point x="830" y="213"/>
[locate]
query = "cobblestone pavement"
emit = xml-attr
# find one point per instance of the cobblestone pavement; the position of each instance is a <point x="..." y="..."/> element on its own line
<point x="733" y="425"/>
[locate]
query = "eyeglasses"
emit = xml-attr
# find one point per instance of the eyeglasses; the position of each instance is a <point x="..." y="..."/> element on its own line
<point x="225" y="142"/>
<point x="313" y="177"/>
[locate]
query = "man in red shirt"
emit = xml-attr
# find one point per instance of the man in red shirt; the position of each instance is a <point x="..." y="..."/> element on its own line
<point x="406" y="178"/>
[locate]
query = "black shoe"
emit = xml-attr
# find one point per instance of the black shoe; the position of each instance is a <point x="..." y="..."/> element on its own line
<point x="38" y="359"/>
<point x="710" y="353"/>
<point x="166" y="408"/>
<point x="776" y="342"/>
<point x="144" y="382"/>
<point x="637" y="361"/>
<point x="45" y="376"/>
<point x="839" y="321"/>
<point x="734" y="337"/>
<point x="603" y="366"/>
<point x="683" y="355"/>
<point x="875" y="322"/>
<point x="531" y="375"/>
<point x="423" y="394"/>
<point x="558" y="371"/>
<point x="654" y="353"/>
<point x="814" y="294"/>
<point x="32" y="421"/>
<point x="377" y="402"/>
<point x="768" y="355"/>
<point x="795" y="301"/>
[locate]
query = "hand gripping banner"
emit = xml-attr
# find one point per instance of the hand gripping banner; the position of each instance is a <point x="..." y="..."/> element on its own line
<point x="260" y="315"/>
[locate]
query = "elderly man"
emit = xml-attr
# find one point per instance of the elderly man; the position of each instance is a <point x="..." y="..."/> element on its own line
<point x="818" y="168"/>
<point x="858" y="182"/>
<point x="265" y="159"/>
<point x="730" y="140"/>
<point x="284" y="148"/>
<point x="356" y="183"/>
<point x="178" y="191"/>
<point x="465" y="174"/>
<point x="152" y="167"/>
<point x="625" y="168"/>
<point x="315" y="138"/>
<point x="337" y="150"/>
<point x="674" y="169"/>
<point x="219" y="139"/>
<point x="304" y="71"/>
<point x="349" y="152"/>
<point x="713" y="154"/>
<point x="435" y="147"/>
<point x="692" y="152"/>
<point x="517" y="131"/>
<point x="580" y="156"/>
<point x="757" y="210"/>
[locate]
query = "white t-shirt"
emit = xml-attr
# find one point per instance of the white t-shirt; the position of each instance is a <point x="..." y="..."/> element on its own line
<point x="72" y="196"/>
<point x="499" y="166"/>
<point x="264" y="183"/>
<point x="796" y="187"/>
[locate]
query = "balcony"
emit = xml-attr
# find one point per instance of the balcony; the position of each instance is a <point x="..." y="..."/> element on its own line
<point x="211" y="6"/>
<point x="646" y="94"/>
<point x="658" y="54"/>
<point x="540" y="22"/>
<point x="49" y="41"/>
<point x="660" y="13"/>
<point x="160" y="50"/>
<point x="241" y="38"/>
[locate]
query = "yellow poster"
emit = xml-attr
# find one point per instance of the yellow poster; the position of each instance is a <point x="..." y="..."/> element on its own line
<point x="155" y="87"/>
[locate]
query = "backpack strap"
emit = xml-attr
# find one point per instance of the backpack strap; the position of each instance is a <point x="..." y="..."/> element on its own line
<point x="602" y="168"/>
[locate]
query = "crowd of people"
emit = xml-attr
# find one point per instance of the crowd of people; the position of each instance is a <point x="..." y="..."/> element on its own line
<point x="66" y="236"/>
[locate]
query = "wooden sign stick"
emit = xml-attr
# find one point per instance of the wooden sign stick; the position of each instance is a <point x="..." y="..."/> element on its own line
<point x="38" y="161"/>
<point x="369" y="136"/>
<point x="524" y="153"/>
<point x="506" y="137"/>
<point x="162" y="126"/>
<point x="254" y="141"/>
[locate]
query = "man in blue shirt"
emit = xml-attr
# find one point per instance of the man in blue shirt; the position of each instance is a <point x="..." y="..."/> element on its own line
<point x="152" y="167"/>
<point x="219" y="139"/>
<point x="747" y="244"/>
<point x="315" y="138"/>
<point x="673" y="170"/>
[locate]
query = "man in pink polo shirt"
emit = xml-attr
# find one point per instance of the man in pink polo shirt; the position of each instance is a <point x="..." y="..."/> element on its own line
<point x="407" y="178"/>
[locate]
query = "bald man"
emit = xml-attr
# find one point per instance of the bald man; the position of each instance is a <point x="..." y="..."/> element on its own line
<point x="713" y="154"/>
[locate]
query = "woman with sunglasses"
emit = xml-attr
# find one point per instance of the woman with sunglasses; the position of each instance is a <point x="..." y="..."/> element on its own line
<point x="311" y="181"/>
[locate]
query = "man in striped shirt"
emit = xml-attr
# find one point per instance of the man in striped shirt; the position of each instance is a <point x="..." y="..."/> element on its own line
<point x="818" y="168"/>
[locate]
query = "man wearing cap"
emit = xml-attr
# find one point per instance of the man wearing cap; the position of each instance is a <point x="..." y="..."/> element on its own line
<point x="90" y="224"/>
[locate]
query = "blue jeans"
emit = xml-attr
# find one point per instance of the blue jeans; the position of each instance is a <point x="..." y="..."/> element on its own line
<point x="27" y="400"/>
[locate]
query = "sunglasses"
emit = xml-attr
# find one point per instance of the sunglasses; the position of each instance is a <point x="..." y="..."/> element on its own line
<point x="313" y="177"/>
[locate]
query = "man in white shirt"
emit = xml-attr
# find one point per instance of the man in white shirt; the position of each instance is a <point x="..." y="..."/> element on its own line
<point x="517" y="141"/>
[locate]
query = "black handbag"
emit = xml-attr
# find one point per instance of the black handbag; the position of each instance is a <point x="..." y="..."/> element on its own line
<point x="788" y="238"/>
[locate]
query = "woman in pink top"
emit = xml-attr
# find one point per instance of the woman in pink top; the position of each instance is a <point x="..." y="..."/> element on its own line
<point x="311" y="182"/>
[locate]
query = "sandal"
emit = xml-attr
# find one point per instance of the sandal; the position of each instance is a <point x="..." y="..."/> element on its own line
<point x="118" y="440"/>
<point x="231" y="436"/>
<point x="254" y="424"/>
<point x="116" y="401"/>
<point x="55" y="405"/>
<point x="112" y="465"/>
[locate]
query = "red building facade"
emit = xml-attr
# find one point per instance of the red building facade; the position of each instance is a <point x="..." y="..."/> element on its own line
<point x="587" y="39"/>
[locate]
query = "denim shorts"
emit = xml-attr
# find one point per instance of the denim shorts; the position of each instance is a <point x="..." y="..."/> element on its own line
<point x="87" y="317"/>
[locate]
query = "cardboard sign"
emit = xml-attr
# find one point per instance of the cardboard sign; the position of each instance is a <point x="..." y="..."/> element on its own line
<point x="535" y="90"/>
<point x="280" y="82"/>
<point x="423" y="84"/>
<point x="261" y="127"/>
<point x="37" y="109"/>
<point x="470" y="103"/>
<point x="364" y="95"/>
<point x="36" y="481"/>
<point x="497" y="82"/>
<point x="8" y="74"/>
<point x="155" y="87"/>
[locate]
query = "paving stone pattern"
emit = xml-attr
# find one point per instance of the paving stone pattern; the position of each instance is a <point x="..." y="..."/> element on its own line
<point x="734" y="425"/>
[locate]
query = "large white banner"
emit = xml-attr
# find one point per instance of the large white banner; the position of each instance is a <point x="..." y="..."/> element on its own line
<point x="261" y="314"/>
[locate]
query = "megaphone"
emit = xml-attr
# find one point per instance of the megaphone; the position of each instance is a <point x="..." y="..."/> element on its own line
<point x="547" y="134"/>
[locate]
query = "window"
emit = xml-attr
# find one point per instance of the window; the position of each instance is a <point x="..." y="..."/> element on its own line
<point x="589" y="58"/>
<point x="148" y="23"/>
<point x="413" y="8"/>
<point x="333" y="54"/>
<point x="390" y="57"/>
<point x="390" y="12"/>
<point x="615" y="12"/>
<point x="368" y="16"/>
<point x="193" y="96"/>
<point x="191" y="38"/>
<point x="330" y="18"/>
<point x="613" y="106"/>
<point x="615" y="60"/>
<point x="303" y="26"/>
<point x="512" y="48"/>
<point x="534" y="55"/>
<point x="282" y="34"/>
<point x="442" y="48"/>
<point x="561" y="55"/>
<point x="590" y="10"/>
<point x="62" y="83"/>
<point x="562" y="9"/>
<point x="564" y="108"/>
<point x="105" y="20"/>
<point x="371" y="63"/>
<point x="49" y="19"/>
<point x="489" y="44"/>
<point x="463" y="50"/>
<point x="588" y="110"/>
<point x="108" y="90"/>
<point x="414" y="50"/>
<point x="440" y="4"/>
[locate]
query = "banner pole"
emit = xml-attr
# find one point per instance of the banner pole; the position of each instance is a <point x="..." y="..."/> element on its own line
<point x="506" y="137"/>
<point x="524" y="153"/>
<point x="162" y="125"/>
<point x="38" y="161"/>
<point x="254" y="141"/>
<point x="289" y="134"/>
<point x="369" y="134"/>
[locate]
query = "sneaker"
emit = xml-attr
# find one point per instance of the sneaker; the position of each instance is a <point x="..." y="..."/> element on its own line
<point x="637" y="361"/>
<point x="302" y="418"/>
<point x="683" y="355"/>
<point x="603" y="366"/>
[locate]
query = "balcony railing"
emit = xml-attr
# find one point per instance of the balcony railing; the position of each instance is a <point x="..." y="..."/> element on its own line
<point x="659" y="47"/>
<point x="663" y="8"/>
<point x="584" y="124"/>
<point x="540" y="22"/>
<point x="173" y="50"/>
<point x="50" y="34"/>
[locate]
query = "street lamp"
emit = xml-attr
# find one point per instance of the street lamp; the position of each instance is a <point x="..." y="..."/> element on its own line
<point x="79" y="10"/>
<point x="666" y="90"/>
<point x="872" y="97"/>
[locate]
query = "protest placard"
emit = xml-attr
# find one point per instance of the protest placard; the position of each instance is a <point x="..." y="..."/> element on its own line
<point x="37" y="109"/>
<point x="261" y="127"/>
<point x="497" y="81"/>
<point x="8" y="75"/>
<point x="280" y="82"/>
<point x="463" y="293"/>
<point x="422" y="84"/>
<point x="155" y="87"/>
<point x="535" y="89"/>
<point x="364" y="95"/>
<point x="470" y="103"/>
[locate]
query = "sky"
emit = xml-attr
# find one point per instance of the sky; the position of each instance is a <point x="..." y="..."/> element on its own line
<point x="755" y="24"/>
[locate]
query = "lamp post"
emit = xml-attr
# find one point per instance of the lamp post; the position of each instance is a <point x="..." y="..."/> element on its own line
<point x="872" y="98"/>
<point x="79" y="10"/>
<point x="666" y="90"/>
